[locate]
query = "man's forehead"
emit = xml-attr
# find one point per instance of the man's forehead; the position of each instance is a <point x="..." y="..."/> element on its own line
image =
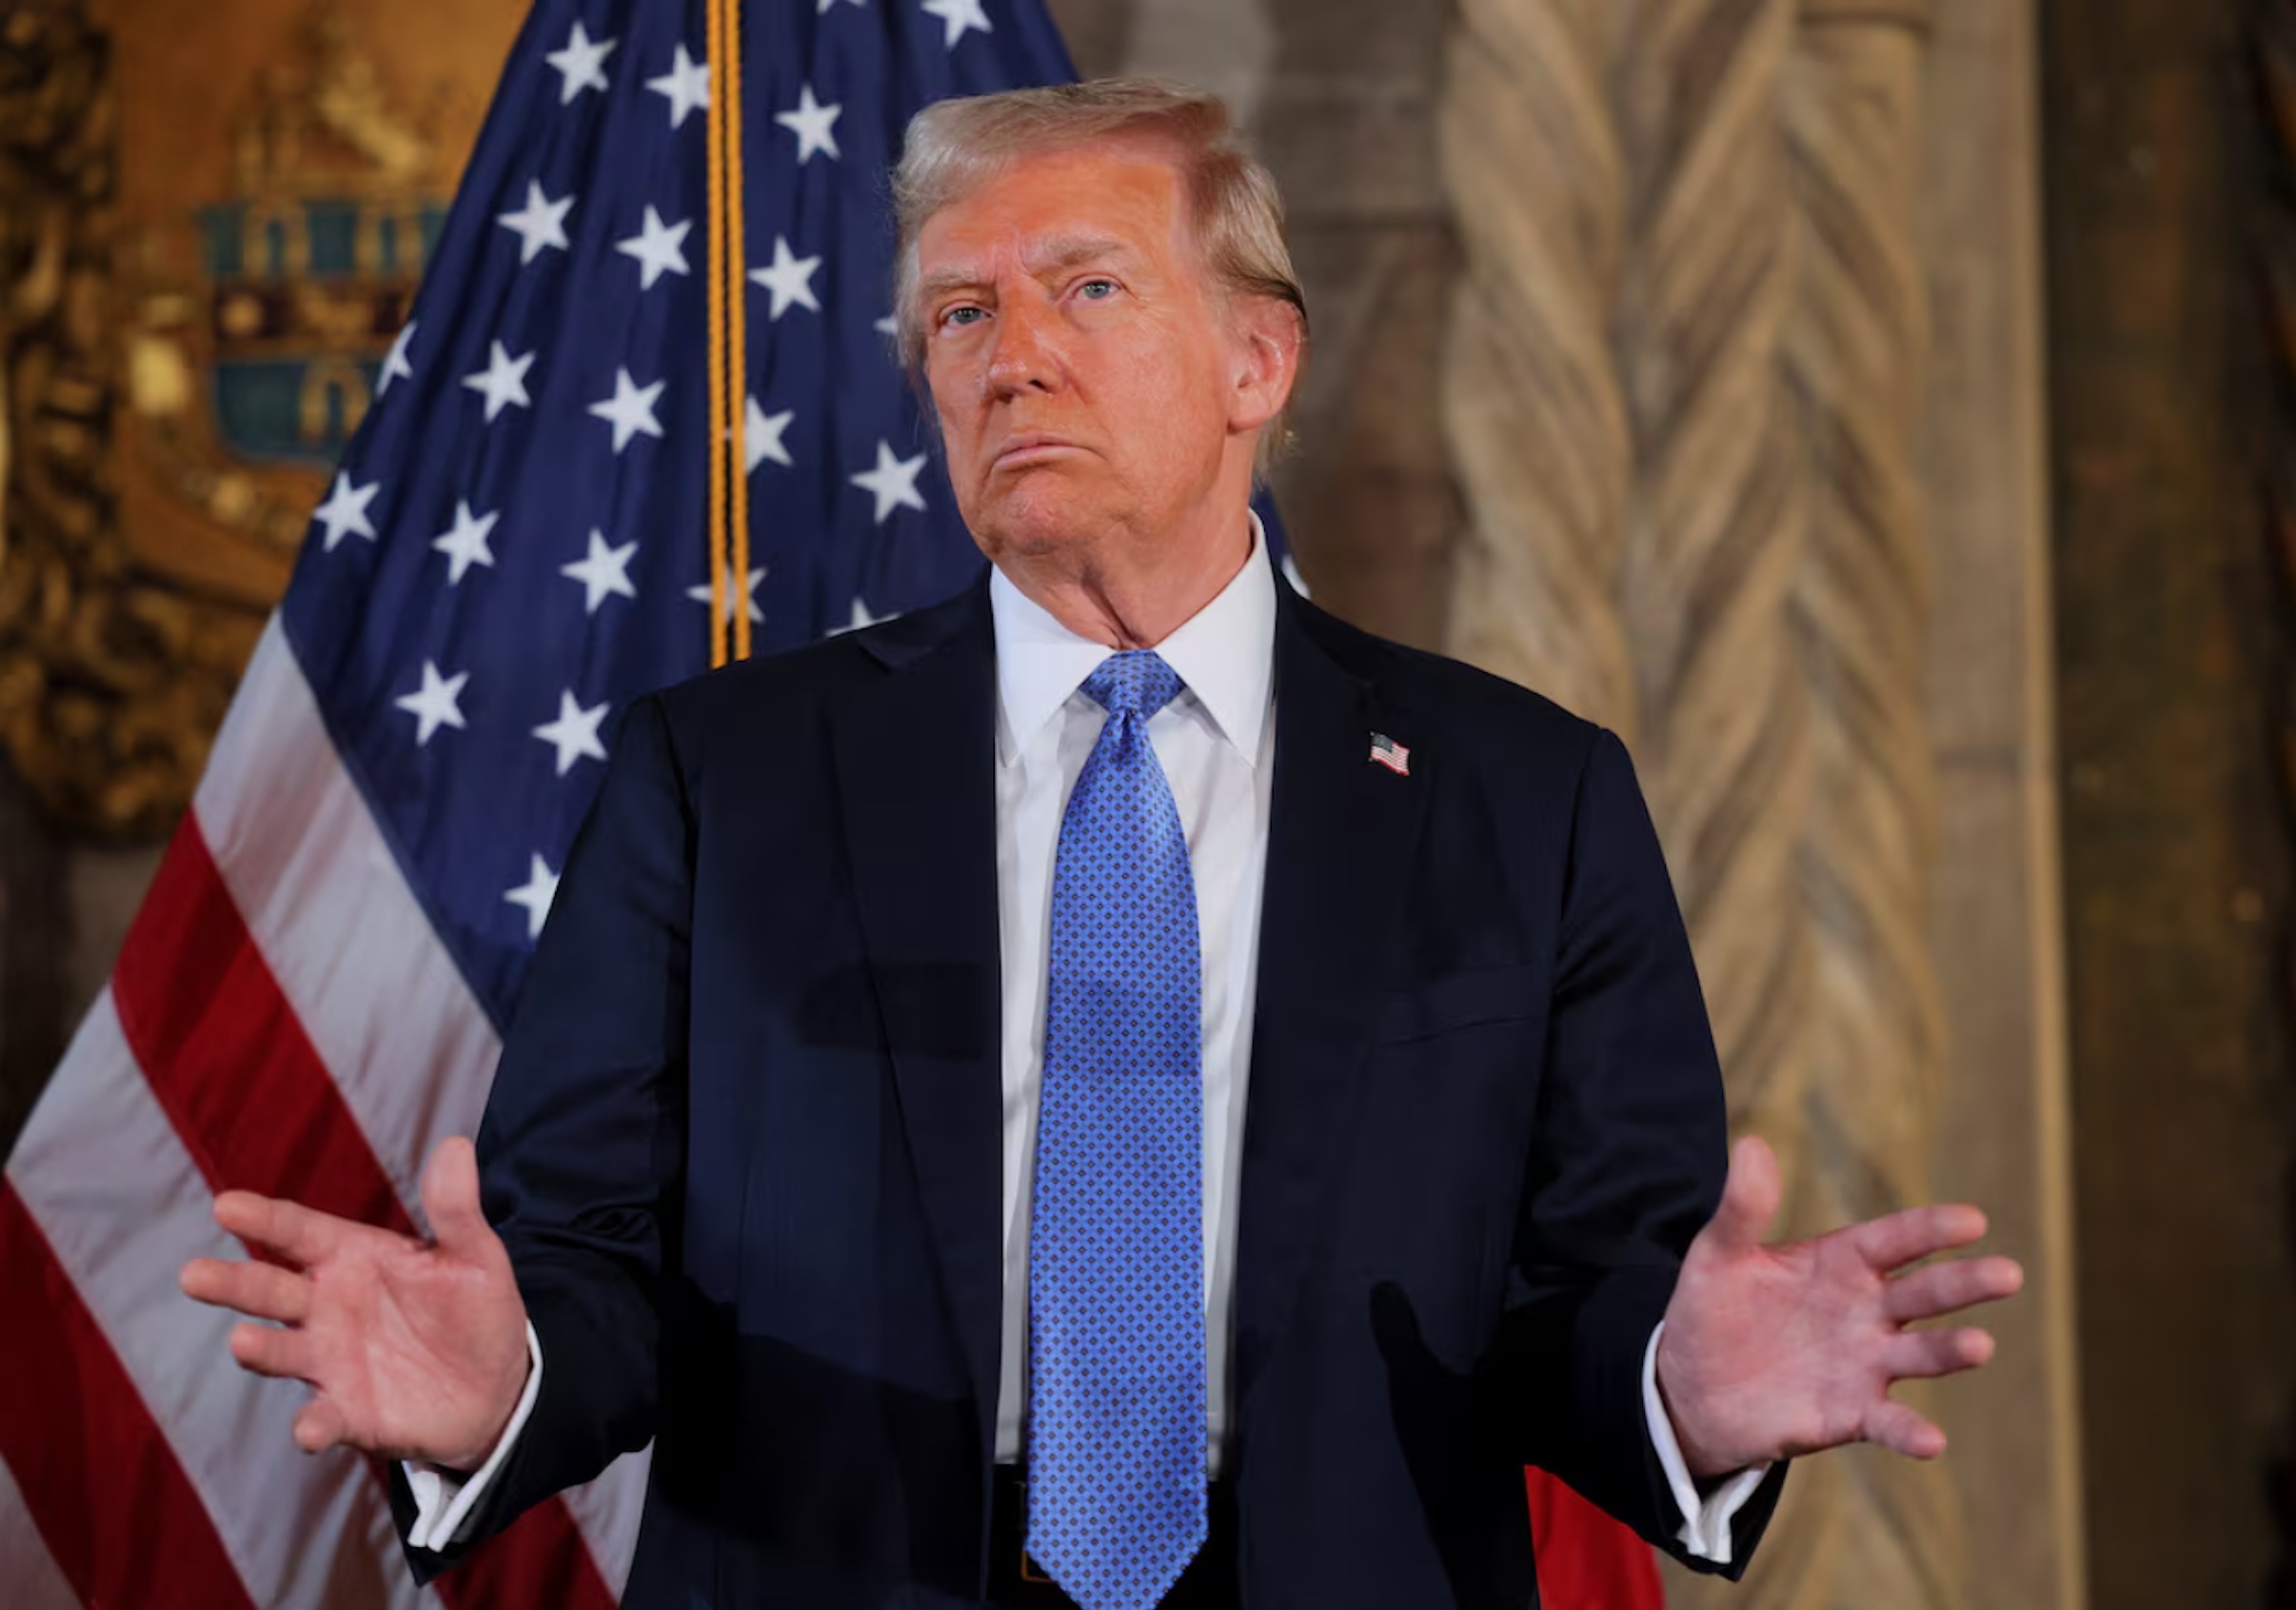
<point x="1061" y="207"/>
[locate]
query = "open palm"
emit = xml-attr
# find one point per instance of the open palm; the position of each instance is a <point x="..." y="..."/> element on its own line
<point x="1775" y="1351"/>
<point x="413" y="1349"/>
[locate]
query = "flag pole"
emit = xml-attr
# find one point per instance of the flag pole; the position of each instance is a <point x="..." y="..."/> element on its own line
<point x="737" y="326"/>
<point x="721" y="419"/>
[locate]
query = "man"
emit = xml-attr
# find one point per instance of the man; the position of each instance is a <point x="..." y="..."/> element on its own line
<point x="1118" y="1089"/>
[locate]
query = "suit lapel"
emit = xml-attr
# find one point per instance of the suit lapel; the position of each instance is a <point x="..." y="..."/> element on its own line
<point x="1342" y="836"/>
<point x="915" y="769"/>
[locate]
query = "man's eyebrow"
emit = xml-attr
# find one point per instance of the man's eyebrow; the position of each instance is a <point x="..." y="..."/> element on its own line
<point x="1064" y="251"/>
<point x="942" y="281"/>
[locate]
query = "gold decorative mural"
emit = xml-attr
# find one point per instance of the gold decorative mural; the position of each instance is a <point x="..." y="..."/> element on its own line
<point x="212" y="221"/>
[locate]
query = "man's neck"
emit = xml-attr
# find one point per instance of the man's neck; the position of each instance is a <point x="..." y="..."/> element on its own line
<point x="1128" y="606"/>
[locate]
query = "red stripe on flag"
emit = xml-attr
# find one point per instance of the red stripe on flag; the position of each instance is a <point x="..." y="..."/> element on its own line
<point x="118" y="1514"/>
<point x="1587" y="1560"/>
<point x="257" y="1109"/>
<point x="227" y="1056"/>
<point x="539" y="1561"/>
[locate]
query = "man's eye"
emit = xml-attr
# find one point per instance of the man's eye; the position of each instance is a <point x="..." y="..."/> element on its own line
<point x="1099" y="291"/>
<point x="960" y="317"/>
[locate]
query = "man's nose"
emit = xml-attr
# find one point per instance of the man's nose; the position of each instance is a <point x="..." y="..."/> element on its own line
<point x="1026" y="351"/>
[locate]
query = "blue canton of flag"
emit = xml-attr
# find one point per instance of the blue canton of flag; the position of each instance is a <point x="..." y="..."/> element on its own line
<point x="515" y="544"/>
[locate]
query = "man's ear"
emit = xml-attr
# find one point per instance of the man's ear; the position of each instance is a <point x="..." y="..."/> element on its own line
<point x="1267" y="342"/>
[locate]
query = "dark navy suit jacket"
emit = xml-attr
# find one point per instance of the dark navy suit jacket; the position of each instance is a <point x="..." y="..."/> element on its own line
<point x="744" y="1140"/>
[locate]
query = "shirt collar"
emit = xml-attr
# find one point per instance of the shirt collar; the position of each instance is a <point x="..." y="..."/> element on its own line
<point x="1225" y="652"/>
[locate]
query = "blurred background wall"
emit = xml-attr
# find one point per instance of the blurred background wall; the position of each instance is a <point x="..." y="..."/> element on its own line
<point x="1872" y="408"/>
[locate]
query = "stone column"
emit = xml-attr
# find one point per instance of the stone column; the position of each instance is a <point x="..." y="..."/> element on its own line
<point x="1854" y="360"/>
<point x="1997" y="915"/>
<point x="1686" y="397"/>
<point x="1533" y="404"/>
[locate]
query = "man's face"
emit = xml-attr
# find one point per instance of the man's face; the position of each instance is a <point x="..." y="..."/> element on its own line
<point x="1083" y="369"/>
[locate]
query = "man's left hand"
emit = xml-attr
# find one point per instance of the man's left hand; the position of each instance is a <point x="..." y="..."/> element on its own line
<point x="1775" y="1351"/>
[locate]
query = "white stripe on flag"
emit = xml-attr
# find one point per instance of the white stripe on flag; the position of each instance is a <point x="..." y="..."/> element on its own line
<point x="102" y="1171"/>
<point x="27" y="1572"/>
<point x="607" y="1512"/>
<point x="358" y="961"/>
<point x="321" y="893"/>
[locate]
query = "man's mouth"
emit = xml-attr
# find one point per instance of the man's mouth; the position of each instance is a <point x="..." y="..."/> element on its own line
<point x="1033" y="446"/>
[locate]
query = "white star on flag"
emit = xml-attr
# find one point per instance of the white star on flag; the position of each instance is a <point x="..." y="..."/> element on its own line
<point x="955" y="16"/>
<point x="535" y="894"/>
<point x="395" y="365"/>
<point x="465" y="545"/>
<point x="579" y="64"/>
<point x="887" y="326"/>
<point x="757" y="615"/>
<point x="575" y="731"/>
<point x="862" y="618"/>
<point x="605" y="572"/>
<point x="344" y="511"/>
<point x="686" y="84"/>
<point x="503" y="381"/>
<point x="436" y="703"/>
<point x="630" y="409"/>
<point x="814" y="125"/>
<point x="893" y="482"/>
<point x="790" y="278"/>
<point x="824" y="9"/>
<point x="660" y="248"/>
<point x="541" y="224"/>
<point x="762" y="435"/>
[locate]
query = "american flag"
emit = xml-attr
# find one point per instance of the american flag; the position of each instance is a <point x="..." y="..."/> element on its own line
<point x="514" y="545"/>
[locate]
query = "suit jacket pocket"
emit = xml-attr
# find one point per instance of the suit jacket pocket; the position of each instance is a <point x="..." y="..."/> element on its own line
<point x="1453" y="1001"/>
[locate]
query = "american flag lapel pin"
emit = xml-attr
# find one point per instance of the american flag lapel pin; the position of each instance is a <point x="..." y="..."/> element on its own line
<point x="1387" y="752"/>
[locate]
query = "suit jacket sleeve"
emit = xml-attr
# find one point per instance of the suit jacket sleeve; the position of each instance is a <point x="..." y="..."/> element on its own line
<point x="1627" y="1161"/>
<point x="582" y="1151"/>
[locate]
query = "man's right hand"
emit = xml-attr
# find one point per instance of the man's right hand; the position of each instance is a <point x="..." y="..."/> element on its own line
<point x="413" y="1349"/>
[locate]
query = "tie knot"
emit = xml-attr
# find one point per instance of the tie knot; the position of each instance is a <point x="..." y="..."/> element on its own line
<point x="1133" y="682"/>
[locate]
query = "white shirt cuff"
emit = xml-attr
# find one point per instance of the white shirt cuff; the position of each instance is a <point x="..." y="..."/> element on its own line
<point x="444" y="1501"/>
<point x="1704" y="1522"/>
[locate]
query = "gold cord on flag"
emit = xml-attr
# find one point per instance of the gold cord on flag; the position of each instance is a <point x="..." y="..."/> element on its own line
<point x="737" y="326"/>
<point x="728" y="347"/>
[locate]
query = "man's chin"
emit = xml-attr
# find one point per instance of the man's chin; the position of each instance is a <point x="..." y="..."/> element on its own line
<point x="1041" y="519"/>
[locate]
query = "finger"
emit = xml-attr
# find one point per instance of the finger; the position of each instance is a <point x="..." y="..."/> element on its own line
<point x="451" y="1201"/>
<point x="263" y="1290"/>
<point x="1894" y="1425"/>
<point x="1749" y="1196"/>
<point x="266" y="1350"/>
<point x="1899" y="1239"/>
<point x="1946" y="1288"/>
<point x="320" y="1424"/>
<point x="1922" y="1353"/>
<point x="288" y="1228"/>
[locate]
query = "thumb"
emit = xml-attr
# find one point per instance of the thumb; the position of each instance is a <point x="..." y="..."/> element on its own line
<point x="319" y="1425"/>
<point x="450" y="1198"/>
<point x="1750" y="1199"/>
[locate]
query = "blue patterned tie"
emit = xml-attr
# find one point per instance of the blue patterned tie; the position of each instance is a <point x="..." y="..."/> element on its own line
<point x="1116" y="1440"/>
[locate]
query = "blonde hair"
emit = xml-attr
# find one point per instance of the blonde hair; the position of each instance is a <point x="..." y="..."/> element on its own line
<point x="1234" y="210"/>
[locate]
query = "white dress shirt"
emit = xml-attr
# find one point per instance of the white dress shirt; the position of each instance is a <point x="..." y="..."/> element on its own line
<point x="1216" y="743"/>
